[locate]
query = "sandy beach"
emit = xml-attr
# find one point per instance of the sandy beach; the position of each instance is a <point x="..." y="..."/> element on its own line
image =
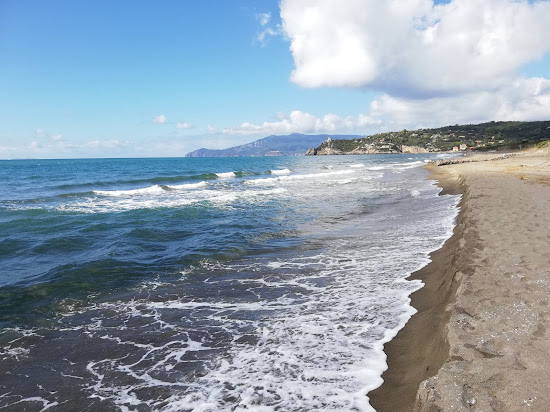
<point x="480" y="338"/>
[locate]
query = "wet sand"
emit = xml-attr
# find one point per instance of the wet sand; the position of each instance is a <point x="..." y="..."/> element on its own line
<point x="480" y="338"/>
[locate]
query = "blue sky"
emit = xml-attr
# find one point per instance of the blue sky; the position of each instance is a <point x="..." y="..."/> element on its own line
<point x="144" y="78"/>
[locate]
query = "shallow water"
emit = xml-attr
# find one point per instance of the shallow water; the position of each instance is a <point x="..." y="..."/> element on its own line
<point x="203" y="284"/>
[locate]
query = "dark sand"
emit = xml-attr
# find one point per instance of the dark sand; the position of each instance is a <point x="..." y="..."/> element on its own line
<point x="479" y="340"/>
<point x="421" y="347"/>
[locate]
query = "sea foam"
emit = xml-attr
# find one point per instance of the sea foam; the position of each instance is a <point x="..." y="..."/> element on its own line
<point x="188" y="186"/>
<point x="315" y="344"/>
<point x="226" y="175"/>
<point x="280" y="172"/>
<point x="133" y="192"/>
<point x="126" y="200"/>
<point x="275" y="293"/>
<point x="308" y="176"/>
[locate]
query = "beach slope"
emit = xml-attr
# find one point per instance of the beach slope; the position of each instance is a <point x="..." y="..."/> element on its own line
<point x="480" y="340"/>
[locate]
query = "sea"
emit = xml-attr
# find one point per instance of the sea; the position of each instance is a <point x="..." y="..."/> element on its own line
<point x="209" y="284"/>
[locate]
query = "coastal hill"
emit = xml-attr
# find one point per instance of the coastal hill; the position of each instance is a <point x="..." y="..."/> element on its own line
<point x="293" y="144"/>
<point x="484" y="136"/>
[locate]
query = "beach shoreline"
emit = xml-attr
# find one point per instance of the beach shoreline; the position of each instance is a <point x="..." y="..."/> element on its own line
<point x="457" y="352"/>
<point x="406" y="370"/>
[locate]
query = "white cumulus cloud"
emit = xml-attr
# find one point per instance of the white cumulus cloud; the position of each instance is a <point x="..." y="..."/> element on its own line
<point x="183" y="125"/>
<point x="160" y="119"/>
<point x="413" y="47"/>
<point x="451" y="62"/>
<point x="523" y="99"/>
<point x="301" y="122"/>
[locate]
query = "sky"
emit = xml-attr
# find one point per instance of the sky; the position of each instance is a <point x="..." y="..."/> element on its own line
<point x="143" y="78"/>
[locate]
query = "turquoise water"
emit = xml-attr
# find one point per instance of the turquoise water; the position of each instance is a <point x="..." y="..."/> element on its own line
<point x="208" y="284"/>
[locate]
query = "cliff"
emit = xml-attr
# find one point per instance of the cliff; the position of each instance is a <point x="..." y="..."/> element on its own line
<point x="413" y="149"/>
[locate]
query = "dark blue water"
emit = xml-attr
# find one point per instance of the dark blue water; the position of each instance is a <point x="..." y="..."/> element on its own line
<point x="208" y="284"/>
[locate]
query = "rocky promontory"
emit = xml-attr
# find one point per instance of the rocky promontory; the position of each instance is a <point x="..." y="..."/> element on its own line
<point x="334" y="147"/>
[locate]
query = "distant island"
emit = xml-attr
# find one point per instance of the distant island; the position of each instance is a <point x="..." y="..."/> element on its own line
<point x="479" y="137"/>
<point x="285" y="145"/>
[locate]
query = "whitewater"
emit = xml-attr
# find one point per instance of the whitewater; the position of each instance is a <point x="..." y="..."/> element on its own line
<point x="209" y="284"/>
